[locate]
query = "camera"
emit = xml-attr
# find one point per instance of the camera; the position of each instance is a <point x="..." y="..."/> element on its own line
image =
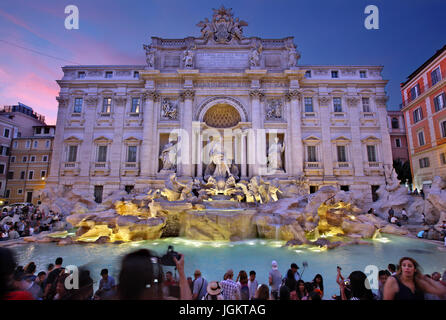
<point x="347" y="282"/>
<point x="167" y="259"/>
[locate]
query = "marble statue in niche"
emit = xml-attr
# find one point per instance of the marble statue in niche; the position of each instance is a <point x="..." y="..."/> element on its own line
<point x="169" y="156"/>
<point x="275" y="156"/>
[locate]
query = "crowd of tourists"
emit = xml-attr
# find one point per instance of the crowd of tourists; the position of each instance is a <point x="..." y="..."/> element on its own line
<point x="141" y="277"/>
<point x="24" y="221"/>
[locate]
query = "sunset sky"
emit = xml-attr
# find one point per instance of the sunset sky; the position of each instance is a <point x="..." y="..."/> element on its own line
<point x="328" y="32"/>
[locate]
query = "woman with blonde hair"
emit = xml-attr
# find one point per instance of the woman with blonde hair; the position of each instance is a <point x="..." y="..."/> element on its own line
<point x="409" y="283"/>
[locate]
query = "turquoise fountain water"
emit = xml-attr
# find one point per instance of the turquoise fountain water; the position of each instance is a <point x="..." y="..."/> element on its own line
<point x="214" y="258"/>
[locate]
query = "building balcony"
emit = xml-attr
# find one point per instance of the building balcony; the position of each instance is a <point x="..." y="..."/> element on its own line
<point x="130" y="169"/>
<point x="313" y="168"/>
<point x="76" y="119"/>
<point x="133" y="119"/>
<point x="70" y="168"/>
<point x="373" y="168"/>
<point x="338" y="118"/>
<point x="341" y="168"/>
<point x="100" y="168"/>
<point x="368" y="118"/>
<point x="104" y="119"/>
<point x="310" y="119"/>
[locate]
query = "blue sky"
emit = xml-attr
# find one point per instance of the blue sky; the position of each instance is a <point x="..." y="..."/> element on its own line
<point x="327" y="32"/>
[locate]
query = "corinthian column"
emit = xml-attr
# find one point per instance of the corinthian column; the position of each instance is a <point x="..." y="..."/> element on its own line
<point x="56" y="159"/>
<point x="185" y="162"/>
<point x="147" y="167"/>
<point x="353" y="111"/>
<point x="296" y="134"/>
<point x="255" y="146"/>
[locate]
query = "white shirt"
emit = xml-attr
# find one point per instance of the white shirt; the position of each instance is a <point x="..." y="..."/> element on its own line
<point x="252" y="288"/>
<point x="393" y="220"/>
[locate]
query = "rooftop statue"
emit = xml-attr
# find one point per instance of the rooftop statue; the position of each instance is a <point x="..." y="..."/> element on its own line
<point x="223" y="27"/>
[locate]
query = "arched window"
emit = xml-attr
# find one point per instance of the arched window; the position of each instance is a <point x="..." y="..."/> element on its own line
<point x="395" y="123"/>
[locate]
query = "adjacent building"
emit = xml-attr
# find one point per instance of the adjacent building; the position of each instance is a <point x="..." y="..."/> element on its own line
<point x="398" y="140"/>
<point x="15" y="121"/>
<point x="424" y="101"/>
<point x="29" y="165"/>
<point x="118" y="125"/>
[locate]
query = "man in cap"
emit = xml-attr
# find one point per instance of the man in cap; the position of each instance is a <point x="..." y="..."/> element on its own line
<point x="275" y="279"/>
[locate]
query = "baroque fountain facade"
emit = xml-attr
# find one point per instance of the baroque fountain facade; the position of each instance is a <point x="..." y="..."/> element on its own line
<point x="222" y="137"/>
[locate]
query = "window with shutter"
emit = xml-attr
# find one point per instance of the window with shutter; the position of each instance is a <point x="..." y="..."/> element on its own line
<point x="102" y="153"/>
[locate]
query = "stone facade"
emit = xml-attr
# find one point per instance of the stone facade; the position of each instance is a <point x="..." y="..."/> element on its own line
<point x="424" y="108"/>
<point x="397" y="131"/>
<point x="115" y="121"/>
<point x="29" y="165"/>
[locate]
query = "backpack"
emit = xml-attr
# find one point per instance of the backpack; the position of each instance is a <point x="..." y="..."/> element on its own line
<point x="244" y="293"/>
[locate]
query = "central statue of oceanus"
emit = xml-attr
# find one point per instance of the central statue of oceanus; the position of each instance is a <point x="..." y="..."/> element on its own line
<point x="218" y="164"/>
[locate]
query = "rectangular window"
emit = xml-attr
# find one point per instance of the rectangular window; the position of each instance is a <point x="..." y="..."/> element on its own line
<point x="98" y="190"/>
<point x="11" y="175"/>
<point x="371" y="153"/>
<point x="421" y="141"/>
<point x="6" y="133"/>
<point x="398" y="143"/>
<point x="22" y="175"/>
<point x="28" y="144"/>
<point x="417" y="115"/>
<point x="47" y="144"/>
<point x="443" y="158"/>
<point x="337" y="104"/>
<point x="443" y="128"/>
<point x="109" y="74"/>
<point x="129" y="188"/>
<point x="424" y="162"/>
<point x="33" y="158"/>
<point x="12" y="159"/>
<point x="20" y="191"/>
<point x="435" y="76"/>
<point x="131" y="155"/>
<point x="2" y="168"/>
<point x="415" y="92"/>
<point x="38" y="130"/>
<point x="136" y="74"/>
<point x="311" y="153"/>
<point x="15" y="145"/>
<point x="106" y="106"/>
<point x="308" y="74"/>
<point x="72" y="153"/>
<point x="342" y="157"/>
<point x="78" y="105"/>
<point x="309" y="104"/>
<point x="345" y="188"/>
<point x="36" y="144"/>
<point x="363" y="74"/>
<point x="45" y="158"/>
<point x="43" y="174"/>
<point x="135" y="105"/>
<point x="81" y="74"/>
<point x="334" y="74"/>
<point x="46" y="130"/>
<point x="102" y="153"/>
<point x="365" y="104"/>
<point x="439" y="101"/>
<point x="30" y="175"/>
<point x="24" y="159"/>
